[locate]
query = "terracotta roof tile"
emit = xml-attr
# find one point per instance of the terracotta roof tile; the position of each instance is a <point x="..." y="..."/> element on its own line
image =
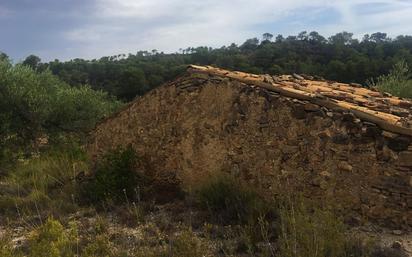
<point x="389" y="112"/>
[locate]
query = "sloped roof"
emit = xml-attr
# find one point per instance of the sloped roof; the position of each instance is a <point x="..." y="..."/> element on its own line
<point x="389" y="112"/>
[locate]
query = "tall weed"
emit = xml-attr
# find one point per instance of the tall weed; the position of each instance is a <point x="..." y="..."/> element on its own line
<point x="398" y="82"/>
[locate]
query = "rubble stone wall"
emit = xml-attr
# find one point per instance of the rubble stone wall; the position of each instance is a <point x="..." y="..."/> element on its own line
<point x="201" y="125"/>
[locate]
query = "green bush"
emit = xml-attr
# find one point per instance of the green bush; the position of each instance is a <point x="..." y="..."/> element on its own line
<point x="36" y="103"/>
<point x="187" y="245"/>
<point x="230" y="201"/>
<point x="52" y="240"/>
<point x="99" y="247"/>
<point x="398" y="82"/>
<point x="115" y="178"/>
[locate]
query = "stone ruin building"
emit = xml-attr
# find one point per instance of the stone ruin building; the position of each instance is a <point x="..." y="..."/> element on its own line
<point x="326" y="139"/>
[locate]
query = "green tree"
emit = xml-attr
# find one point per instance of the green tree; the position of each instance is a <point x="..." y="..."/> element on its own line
<point x="316" y="37"/>
<point x="250" y="44"/>
<point x="378" y="37"/>
<point x="4" y="57"/>
<point x="342" y="38"/>
<point x="32" y="61"/>
<point x="267" y="37"/>
<point x="133" y="82"/>
<point x="303" y="35"/>
<point x="36" y="103"/>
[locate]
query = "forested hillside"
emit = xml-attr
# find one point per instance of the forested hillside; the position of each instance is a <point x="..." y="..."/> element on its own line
<point x="339" y="57"/>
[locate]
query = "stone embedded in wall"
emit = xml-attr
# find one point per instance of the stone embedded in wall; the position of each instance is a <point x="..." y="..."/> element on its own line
<point x="399" y="143"/>
<point x="325" y="135"/>
<point x="342" y="139"/>
<point x="345" y="166"/>
<point x="405" y="159"/>
<point x="290" y="149"/>
<point x="348" y="117"/>
<point x="385" y="154"/>
<point x="299" y="112"/>
<point x="311" y="107"/>
<point x="372" y="131"/>
<point x="326" y="174"/>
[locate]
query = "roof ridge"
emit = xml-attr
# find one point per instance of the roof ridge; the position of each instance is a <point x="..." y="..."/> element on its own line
<point x="391" y="113"/>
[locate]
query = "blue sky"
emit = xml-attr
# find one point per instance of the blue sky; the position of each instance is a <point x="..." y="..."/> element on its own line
<point x="66" y="29"/>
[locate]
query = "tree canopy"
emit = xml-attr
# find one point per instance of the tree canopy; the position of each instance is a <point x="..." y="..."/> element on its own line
<point x="340" y="57"/>
<point x="36" y="103"/>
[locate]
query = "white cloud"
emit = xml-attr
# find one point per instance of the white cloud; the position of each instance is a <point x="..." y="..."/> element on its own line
<point x="122" y="26"/>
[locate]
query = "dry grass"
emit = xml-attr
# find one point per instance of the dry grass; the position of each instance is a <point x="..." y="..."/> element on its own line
<point x="40" y="187"/>
<point x="239" y="222"/>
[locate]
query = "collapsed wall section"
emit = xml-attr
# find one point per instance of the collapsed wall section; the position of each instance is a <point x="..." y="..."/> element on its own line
<point x="202" y="124"/>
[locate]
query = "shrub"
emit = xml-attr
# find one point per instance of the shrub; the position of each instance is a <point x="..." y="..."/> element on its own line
<point x="187" y="245"/>
<point x="51" y="240"/>
<point x="34" y="103"/>
<point x="99" y="247"/>
<point x="231" y="201"/>
<point x="115" y="178"/>
<point x="398" y="82"/>
<point x="309" y="232"/>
